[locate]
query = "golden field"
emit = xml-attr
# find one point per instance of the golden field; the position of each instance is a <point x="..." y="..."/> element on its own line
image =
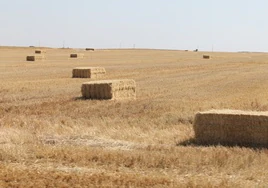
<point x="51" y="137"/>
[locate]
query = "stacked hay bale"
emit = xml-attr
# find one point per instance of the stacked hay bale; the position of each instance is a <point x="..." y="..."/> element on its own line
<point x="231" y="127"/>
<point x="109" y="89"/>
<point x="206" y="57"/>
<point x="88" y="72"/>
<point x="77" y="55"/>
<point x="35" y="57"/>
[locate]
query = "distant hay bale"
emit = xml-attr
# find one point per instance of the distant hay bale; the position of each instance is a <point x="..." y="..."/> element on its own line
<point x="35" y="57"/>
<point x="109" y="89"/>
<point x="231" y="127"/>
<point x="88" y="72"/>
<point x="206" y="57"/>
<point x="90" y="49"/>
<point x="40" y="51"/>
<point x="77" y="55"/>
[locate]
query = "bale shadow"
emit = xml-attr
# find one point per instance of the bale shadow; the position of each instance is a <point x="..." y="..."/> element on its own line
<point x="79" y="98"/>
<point x="195" y="143"/>
<point x="86" y="99"/>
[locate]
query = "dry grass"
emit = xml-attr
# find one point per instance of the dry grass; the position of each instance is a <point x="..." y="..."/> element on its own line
<point x="232" y="127"/>
<point x="50" y="137"/>
<point x="109" y="89"/>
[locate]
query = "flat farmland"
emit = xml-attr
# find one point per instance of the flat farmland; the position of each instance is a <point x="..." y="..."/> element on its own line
<point x="51" y="137"/>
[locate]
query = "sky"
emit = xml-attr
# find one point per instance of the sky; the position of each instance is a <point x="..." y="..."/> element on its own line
<point x="218" y="25"/>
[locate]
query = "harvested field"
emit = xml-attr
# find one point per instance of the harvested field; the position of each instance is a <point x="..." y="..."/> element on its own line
<point x="109" y="89"/>
<point x="51" y="137"/>
<point x="232" y="127"/>
<point x="88" y="72"/>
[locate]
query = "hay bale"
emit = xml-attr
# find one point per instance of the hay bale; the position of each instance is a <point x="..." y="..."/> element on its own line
<point x="109" y="89"/>
<point x="88" y="72"/>
<point x="77" y="55"/>
<point x="90" y="49"/>
<point x="40" y="51"/>
<point x="232" y="127"/>
<point x="35" y="57"/>
<point x="206" y="57"/>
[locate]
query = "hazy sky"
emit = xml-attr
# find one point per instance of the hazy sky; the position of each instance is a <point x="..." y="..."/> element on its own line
<point x="227" y="25"/>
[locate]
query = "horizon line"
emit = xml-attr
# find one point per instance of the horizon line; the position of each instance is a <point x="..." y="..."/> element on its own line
<point x="162" y="49"/>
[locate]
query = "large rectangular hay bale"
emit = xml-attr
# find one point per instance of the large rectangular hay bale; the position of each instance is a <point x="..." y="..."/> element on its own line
<point x="39" y="51"/>
<point x="35" y="57"/>
<point x="206" y="57"/>
<point x="80" y="55"/>
<point x="232" y="127"/>
<point x="90" y="49"/>
<point x="88" y="72"/>
<point x="109" y="89"/>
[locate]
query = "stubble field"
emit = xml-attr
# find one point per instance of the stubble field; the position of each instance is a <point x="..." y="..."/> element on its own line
<point x="51" y="137"/>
